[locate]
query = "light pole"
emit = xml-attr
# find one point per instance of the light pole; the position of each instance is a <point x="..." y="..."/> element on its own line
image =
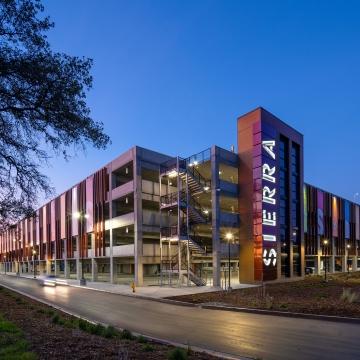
<point x="348" y="246"/>
<point x="325" y="243"/>
<point x="229" y="237"/>
<point x="81" y="216"/>
<point x="34" y="264"/>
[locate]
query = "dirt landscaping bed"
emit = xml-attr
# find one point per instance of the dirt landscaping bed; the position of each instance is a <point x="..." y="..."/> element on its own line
<point x="340" y="296"/>
<point x="47" y="333"/>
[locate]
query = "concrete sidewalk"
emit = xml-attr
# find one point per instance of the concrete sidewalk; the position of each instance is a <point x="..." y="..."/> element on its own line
<point x="154" y="292"/>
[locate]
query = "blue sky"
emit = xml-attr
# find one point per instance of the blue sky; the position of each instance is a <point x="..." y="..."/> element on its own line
<point x="174" y="76"/>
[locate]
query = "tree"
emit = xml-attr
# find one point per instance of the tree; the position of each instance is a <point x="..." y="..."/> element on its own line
<point x="43" y="110"/>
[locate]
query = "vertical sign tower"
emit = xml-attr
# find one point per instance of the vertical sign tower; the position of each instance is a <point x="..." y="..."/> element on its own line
<point x="270" y="198"/>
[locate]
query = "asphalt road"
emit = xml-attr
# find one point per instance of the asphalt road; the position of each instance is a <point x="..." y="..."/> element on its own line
<point x="238" y="334"/>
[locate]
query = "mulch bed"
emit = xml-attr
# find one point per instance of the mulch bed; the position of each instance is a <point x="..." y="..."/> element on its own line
<point x="53" y="341"/>
<point x="310" y="296"/>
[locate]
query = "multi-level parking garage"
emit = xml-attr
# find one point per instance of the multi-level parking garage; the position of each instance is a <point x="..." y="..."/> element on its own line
<point x="158" y="220"/>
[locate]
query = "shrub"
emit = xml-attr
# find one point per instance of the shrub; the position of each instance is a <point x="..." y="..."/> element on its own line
<point x="177" y="354"/>
<point x="18" y="300"/>
<point x="349" y="296"/>
<point x="127" y="335"/>
<point x="56" y="319"/>
<point x="83" y="325"/>
<point x="111" y="332"/>
<point x="147" y="347"/>
<point x="142" y="340"/>
<point x="269" y="301"/>
<point x="97" y="329"/>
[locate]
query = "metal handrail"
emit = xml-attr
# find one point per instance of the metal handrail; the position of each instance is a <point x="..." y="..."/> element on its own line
<point x="195" y="205"/>
<point x="200" y="157"/>
<point x="198" y="177"/>
<point x="169" y="198"/>
<point x="172" y="164"/>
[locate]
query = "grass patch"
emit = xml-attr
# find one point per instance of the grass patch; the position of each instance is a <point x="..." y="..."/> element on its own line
<point x="12" y="343"/>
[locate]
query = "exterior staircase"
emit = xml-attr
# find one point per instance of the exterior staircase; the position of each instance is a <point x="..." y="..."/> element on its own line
<point x="186" y="202"/>
<point x="172" y="266"/>
<point x="196" y="182"/>
<point x="198" y="281"/>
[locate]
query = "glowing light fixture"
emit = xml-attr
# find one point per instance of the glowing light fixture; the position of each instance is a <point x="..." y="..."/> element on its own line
<point x="206" y="188"/>
<point x="172" y="174"/>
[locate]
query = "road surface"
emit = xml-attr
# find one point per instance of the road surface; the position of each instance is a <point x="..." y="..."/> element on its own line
<point x="238" y="334"/>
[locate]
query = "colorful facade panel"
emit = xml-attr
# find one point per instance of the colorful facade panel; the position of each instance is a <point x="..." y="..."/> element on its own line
<point x="335" y="216"/>
<point x="320" y="212"/>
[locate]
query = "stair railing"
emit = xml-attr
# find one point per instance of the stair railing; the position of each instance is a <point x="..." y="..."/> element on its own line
<point x="195" y="174"/>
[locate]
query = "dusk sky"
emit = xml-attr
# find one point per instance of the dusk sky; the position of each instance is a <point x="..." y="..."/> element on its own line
<point x="173" y="76"/>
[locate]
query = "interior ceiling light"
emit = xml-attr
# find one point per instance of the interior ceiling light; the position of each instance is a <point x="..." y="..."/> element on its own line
<point x="206" y="188"/>
<point x="172" y="174"/>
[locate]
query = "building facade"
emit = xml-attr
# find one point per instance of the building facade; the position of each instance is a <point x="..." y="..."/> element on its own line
<point x="202" y="220"/>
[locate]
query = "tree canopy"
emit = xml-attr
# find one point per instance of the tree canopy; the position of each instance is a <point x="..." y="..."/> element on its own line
<point x="43" y="109"/>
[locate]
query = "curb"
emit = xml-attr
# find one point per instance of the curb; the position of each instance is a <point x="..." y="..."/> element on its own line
<point x="151" y="338"/>
<point x="332" y="318"/>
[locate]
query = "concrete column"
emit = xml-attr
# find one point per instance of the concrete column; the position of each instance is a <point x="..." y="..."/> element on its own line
<point x="138" y="258"/>
<point x="94" y="270"/>
<point x="66" y="269"/>
<point x="111" y="232"/>
<point x="317" y="265"/>
<point x="66" y="264"/>
<point x="344" y="263"/>
<point x="354" y="263"/>
<point x="331" y="260"/>
<point x="78" y="261"/>
<point x="318" y="257"/>
<point x="56" y="272"/>
<point x="215" y="211"/>
<point x="48" y="267"/>
<point x="78" y="269"/>
<point x="111" y="258"/>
